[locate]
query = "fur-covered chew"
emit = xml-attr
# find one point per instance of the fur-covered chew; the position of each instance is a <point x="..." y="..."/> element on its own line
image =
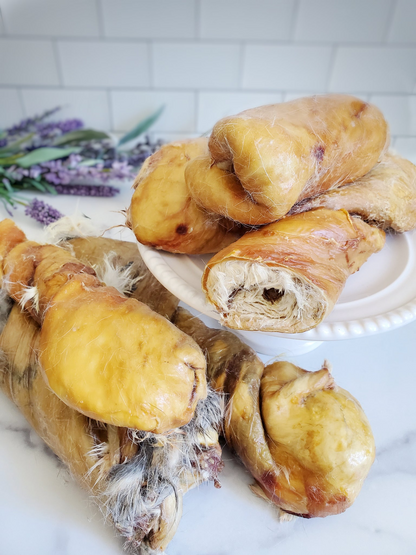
<point x="137" y="478"/>
<point x="307" y="443"/>
<point x="162" y="213"/>
<point x="264" y="160"/>
<point x="385" y="196"/>
<point x="119" y="264"/>
<point x="287" y="276"/>
<point x="110" y="357"/>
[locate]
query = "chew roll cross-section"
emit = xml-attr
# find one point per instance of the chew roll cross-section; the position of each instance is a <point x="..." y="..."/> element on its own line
<point x="264" y="160"/>
<point x="163" y="214"/>
<point x="385" y="196"/>
<point x="287" y="276"/>
<point x="110" y="357"/>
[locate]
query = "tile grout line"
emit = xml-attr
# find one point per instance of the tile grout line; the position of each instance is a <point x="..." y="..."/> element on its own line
<point x="100" y="16"/>
<point x="197" y="21"/>
<point x="171" y="89"/>
<point x="196" y="115"/>
<point x="22" y="102"/>
<point x="58" y="62"/>
<point x="295" y="14"/>
<point x="110" y="109"/>
<point x="331" y="66"/>
<point x="243" y="54"/>
<point x="389" y="23"/>
<point x="214" y="42"/>
<point x="150" y="62"/>
<point x="2" y="23"/>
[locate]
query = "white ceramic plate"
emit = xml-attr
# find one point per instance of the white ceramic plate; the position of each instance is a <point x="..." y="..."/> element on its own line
<point x="380" y="297"/>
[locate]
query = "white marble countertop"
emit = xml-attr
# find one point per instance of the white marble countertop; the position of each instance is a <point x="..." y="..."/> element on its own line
<point x="43" y="512"/>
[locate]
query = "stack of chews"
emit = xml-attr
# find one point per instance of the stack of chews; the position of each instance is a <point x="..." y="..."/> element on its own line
<point x="128" y="389"/>
<point x="118" y="390"/>
<point x="307" y="185"/>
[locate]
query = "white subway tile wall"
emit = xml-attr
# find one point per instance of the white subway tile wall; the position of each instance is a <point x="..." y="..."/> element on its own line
<point x="284" y="67"/>
<point x="213" y="106"/>
<point x="161" y="19"/>
<point x="113" y="62"/>
<point x="178" y="116"/>
<point x="190" y="65"/>
<point x="11" y="110"/>
<point x="27" y="62"/>
<point x="104" y="64"/>
<point x="342" y="20"/>
<point x="64" y="18"/>
<point x="245" y="20"/>
<point x="89" y="105"/>
<point x="402" y="28"/>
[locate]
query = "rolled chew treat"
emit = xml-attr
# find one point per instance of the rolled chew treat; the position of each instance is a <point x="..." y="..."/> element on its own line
<point x="287" y="276"/>
<point x="119" y="264"/>
<point x="264" y="160"/>
<point x="110" y="357"/>
<point x="385" y="196"/>
<point x="307" y="442"/>
<point x="137" y="478"/>
<point x="162" y="213"/>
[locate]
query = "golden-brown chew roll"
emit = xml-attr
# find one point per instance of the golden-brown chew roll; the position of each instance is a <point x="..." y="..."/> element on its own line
<point x="162" y="213"/>
<point x="319" y="433"/>
<point x="109" y="255"/>
<point x="287" y="276"/>
<point x="110" y="357"/>
<point x="136" y="478"/>
<point x="385" y="196"/>
<point x="282" y="153"/>
<point x="307" y="442"/>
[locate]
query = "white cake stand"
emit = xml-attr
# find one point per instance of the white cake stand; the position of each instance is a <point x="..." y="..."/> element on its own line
<point x="378" y="298"/>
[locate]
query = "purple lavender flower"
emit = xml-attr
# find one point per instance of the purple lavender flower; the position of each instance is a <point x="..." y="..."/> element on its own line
<point x="120" y="170"/>
<point x="87" y="190"/>
<point x="58" y="172"/>
<point x="57" y="128"/>
<point x="42" y="212"/>
<point x="27" y="125"/>
<point x="3" y="142"/>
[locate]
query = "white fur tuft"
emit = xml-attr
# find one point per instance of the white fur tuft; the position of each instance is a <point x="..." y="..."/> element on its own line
<point x="147" y="490"/>
<point x="114" y="275"/>
<point x="30" y="294"/>
<point x="69" y="227"/>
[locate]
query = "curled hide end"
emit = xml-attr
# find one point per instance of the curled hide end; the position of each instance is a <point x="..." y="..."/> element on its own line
<point x="143" y="496"/>
<point x="319" y="438"/>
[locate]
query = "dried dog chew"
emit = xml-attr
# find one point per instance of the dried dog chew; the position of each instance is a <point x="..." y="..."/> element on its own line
<point x="287" y="276"/>
<point x="307" y="442"/>
<point x="162" y="213"/>
<point x="138" y="479"/>
<point x="110" y="357"/>
<point x="115" y="262"/>
<point x="385" y="196"/>
<point x="264" y="160"/>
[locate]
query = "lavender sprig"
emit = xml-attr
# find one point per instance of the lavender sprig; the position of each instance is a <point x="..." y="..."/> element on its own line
<point x="41" y="212"/>
<point x="87" y="190"/>
<point x="28" y="125"/>
<point x="65" y="172"/>
<point x="56" y="170"/>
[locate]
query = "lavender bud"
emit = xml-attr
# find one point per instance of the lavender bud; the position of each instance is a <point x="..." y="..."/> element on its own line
<point x="87" y="190"/>
<point x="41" y="212"/>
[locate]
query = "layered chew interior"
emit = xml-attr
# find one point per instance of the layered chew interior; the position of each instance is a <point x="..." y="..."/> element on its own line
<point x="287" y="276"/>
